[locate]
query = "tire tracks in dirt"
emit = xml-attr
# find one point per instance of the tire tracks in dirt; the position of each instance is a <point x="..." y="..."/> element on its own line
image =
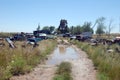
<point x="82" y="69"/>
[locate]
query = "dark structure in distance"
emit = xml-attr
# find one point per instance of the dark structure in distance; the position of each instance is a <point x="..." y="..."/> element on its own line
<point x="63" y="27"/>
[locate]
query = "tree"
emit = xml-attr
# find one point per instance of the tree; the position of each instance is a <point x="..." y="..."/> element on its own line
<point x="51" y="28"/>
<point x="79" y="29"/>
<point x="110" y="27"/>
<point x="87" y="27"/>
<point x="63" y="27"/>
<point x="76" y="29"/>
<point x="99" y="30"/>
<point x="100" y="25"/>
<point x="46" y="28"/>
<point x="71" y="29"/>
<point x="38" y="28"/>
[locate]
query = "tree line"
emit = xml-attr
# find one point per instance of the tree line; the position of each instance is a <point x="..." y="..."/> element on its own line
<point x="86" y="27"/>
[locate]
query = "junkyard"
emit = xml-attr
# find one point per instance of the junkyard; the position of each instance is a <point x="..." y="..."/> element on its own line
<point x="59" y="40"/>
<point x="37" y="55"/>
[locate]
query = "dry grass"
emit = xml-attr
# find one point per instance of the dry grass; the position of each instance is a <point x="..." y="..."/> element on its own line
<point x="4" y="34"/>
<point x="21" y="60"/>
<point x="107" y="64"/>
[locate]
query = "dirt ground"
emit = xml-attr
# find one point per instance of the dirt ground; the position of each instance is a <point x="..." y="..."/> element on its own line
<point x="41" y="72"/>
<point x="82" y="69"/>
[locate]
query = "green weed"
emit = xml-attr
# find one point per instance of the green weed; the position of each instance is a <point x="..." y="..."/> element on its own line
<point x="107" y="64"/>
<point x="63" y="72"/>
<point x="21" y="60"/>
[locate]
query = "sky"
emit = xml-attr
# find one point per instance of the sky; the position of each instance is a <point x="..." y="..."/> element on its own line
<point x="25" y="15"/>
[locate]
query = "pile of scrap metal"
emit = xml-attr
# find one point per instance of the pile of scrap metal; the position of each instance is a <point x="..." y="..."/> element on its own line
<point x="51" y="37"/>
<point x="93" y="42"/>
<point x="21" y="36"/>
<point x="29" y="38"/>
<point x="73" y="37"/>
<point x="117" y="40"/>
<point x="36" y="39"/>
<point x="84" y="36"/>
<point x="110" y="41"/>
<point x="18" y="37"/>
<point x="11" y="44"/>
<point x="33" y="41"/>
<point x="67" y="35"/>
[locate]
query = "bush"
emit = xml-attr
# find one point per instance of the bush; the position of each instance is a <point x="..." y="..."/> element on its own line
<point x="64" y="67"/>
<point x="18" y="66"/>
<point x="63" y="72"/>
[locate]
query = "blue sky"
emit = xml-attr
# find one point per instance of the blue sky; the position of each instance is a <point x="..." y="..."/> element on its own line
<point x="25" y="15"/>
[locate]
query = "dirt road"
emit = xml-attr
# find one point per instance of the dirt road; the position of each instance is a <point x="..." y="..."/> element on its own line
<point x="41" y="72"/>
<point x="82" y="69"/>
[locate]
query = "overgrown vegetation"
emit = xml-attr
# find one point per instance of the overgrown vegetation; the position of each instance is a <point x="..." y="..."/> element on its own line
<point x="107" y="64"/>
<point x="63" y="72"/>
<point x="5" y="34"/>
<point x="22" y="59"/>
